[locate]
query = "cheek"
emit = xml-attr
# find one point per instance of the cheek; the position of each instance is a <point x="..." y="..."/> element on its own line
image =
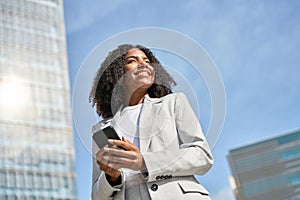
<point x="129" y="67"/>
<point x="128" y="78"/>
<point x="153" y="74"/>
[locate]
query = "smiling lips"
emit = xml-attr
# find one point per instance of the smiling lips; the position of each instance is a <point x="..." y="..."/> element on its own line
<point x="143" y="72"/>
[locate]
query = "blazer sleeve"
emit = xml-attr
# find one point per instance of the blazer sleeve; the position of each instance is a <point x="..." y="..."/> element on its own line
<point x="193" y="155"/>
<point x="101" y="189"/>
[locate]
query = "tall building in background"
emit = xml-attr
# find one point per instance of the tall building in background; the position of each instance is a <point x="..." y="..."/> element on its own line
<point x="267" y="170"/>
<point x="36" y="141"/>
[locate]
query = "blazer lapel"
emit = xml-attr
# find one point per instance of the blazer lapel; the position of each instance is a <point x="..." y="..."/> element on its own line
<point x="145" y="127"/>
<point x="148" y="121"/>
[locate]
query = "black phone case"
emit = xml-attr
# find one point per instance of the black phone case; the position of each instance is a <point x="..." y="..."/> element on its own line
<point x="104" y="131"/>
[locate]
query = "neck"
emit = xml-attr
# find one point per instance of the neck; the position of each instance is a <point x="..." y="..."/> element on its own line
<point x="134" y="98"/>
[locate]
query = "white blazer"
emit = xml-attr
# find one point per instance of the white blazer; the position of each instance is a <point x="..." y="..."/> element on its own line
<point x="174" y="149"/>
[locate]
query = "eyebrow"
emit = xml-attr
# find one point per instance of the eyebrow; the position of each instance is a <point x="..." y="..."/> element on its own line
<point x="135" y="57"/>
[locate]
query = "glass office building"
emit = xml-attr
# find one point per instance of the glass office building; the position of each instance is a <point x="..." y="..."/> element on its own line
<point x="36" y="141"/>
<point x="267" y="170"/>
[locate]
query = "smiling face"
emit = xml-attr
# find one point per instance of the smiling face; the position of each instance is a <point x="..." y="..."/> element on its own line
<point x="140" y="74"/>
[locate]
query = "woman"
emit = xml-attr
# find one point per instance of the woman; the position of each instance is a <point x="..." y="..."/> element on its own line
<point x="163" y="141"/>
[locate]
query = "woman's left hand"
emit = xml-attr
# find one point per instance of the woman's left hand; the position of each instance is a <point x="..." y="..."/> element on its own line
<point x="130" y="158"/>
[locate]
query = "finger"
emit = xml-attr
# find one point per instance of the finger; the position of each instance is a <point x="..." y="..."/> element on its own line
<point x="100" y="151"/>
<point x="125" y="144"/>
<point x="111" y="157"/>
<point x="118" y="152"/>
<point x="109" y="169"/>
<point x="117" y="162"/>
<point x="131" y="144"/>
<point x="122" y="160"/>
<point x="115" y="142"/>
<point x="104" y="168"/>
<point x="99" y="155"/>
<point x="107" y="166"/>
<point x="124" y="166"/>
<point x="115" y="147"/>
<point x="125" y="140"/>
<point x="118" y="166"/>
<point x="105" y="159"/>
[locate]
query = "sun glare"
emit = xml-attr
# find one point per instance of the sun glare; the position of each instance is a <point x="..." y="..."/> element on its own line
<point x="14" y="94"/>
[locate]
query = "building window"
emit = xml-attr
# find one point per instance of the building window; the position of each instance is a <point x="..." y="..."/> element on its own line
<point x="46" y="182"/>
<point x="11" y="179"/>
<point x="2" y="179"/>
<point x="20" y="180"/>
<point x="29" y="180"/>
<point x="38" y="181"/>
<point x="291" y="154"/>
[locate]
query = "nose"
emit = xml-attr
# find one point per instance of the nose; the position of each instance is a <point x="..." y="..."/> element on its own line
<point x="142" y="63"/>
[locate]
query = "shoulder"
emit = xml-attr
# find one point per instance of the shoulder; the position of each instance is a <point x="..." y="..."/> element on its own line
<point x="177" y="99"/>
<point x="172" y="103"/>
<point x="168" y="98"/>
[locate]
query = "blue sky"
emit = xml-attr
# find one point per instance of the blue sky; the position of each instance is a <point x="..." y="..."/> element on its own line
<point x="255" y="45"/>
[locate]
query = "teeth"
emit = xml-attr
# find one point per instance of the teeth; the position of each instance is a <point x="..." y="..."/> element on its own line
<point x="143" y="72"/>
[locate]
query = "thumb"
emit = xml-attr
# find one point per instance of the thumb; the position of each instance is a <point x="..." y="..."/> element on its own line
<point x="124" y="139"/>
<point x="133" y="147"/>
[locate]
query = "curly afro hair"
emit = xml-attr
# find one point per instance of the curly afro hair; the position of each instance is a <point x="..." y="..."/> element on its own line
<point x="111" y="72"/>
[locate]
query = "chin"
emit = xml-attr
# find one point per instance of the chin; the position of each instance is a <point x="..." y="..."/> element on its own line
<point x="145" y="85"/>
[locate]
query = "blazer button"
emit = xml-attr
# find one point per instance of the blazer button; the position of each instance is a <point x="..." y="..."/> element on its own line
<point x="154" y="187"/>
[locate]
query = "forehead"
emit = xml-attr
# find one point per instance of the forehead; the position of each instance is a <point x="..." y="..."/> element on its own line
<point x="135" y="52"/>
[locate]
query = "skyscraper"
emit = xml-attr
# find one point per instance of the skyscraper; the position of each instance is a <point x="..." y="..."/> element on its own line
<point x="36" y="141"/>
<point x="267" y="170"/>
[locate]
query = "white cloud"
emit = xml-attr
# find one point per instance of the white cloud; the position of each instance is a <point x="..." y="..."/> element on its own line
<point x="223" y="194"/>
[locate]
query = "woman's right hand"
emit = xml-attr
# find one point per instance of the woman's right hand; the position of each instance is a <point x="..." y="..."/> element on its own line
<point x="113" y="175"/>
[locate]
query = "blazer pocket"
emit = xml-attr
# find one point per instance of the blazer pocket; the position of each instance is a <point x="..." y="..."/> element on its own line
<point x="192" y="187"/>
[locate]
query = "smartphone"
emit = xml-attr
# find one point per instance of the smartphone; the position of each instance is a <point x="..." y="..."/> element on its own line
<point x="104" y="131"/>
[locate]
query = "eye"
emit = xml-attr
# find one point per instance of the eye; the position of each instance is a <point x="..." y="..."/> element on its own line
<point x="130" y="61"/>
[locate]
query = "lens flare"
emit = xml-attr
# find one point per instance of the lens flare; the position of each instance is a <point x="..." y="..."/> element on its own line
<point x="14" y="93"/>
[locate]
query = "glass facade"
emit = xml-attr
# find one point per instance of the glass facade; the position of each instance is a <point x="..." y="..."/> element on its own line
<point x="36" y="140"/>
<point x="267" y="170"/>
